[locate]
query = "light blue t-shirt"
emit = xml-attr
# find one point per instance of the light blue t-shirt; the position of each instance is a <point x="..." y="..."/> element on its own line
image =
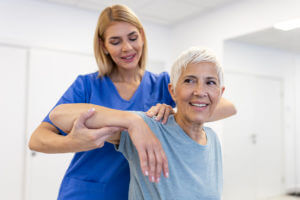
<point x="195" y="170"/>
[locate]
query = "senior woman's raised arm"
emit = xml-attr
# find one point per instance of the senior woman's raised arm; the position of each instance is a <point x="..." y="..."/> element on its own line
<point x="75" y="119"/>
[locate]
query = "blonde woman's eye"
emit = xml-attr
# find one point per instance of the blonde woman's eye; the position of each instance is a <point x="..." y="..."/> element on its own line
<point x="114" y="42"/>
<point x="133" y="38"/>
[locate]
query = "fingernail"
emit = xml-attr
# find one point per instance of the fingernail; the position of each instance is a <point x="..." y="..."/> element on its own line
<point x="167" y="174"/>
<point x="91" y="110"/>
<point x="146" y="173"/>
<point x="158" y="179"/>
<point x="152" y="178"/>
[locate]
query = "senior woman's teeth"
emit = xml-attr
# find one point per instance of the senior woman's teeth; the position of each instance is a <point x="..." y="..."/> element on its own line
<point x="199" y="105"/>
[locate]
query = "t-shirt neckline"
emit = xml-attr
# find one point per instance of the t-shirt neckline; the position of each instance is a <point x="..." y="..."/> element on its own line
<point x="187" y="138"/>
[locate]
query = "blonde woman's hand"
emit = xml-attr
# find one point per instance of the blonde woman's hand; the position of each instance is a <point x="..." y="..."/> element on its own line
<point x="161" y="112"/>
<point x="83" y="139"/>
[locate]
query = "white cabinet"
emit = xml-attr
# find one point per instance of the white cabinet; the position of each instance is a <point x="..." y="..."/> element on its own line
<point x="12" y="103"/>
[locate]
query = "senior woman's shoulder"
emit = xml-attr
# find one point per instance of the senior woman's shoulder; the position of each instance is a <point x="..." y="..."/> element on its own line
<point x="209" y="130"/>
<point x="212" y="134"/>
<point x="150" y="121"/>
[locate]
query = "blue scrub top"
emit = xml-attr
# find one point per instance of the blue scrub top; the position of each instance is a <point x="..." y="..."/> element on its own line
<point x="104" y="173"/>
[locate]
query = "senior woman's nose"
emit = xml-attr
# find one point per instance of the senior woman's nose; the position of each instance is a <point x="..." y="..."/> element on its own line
<point x="200" y="90"/>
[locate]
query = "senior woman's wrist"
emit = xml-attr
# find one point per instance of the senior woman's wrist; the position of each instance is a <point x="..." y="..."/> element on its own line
<point x="131" y="120"/>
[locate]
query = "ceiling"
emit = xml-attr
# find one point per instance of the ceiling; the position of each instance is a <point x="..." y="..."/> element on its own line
<point x="271" y="37"/>
<point x="171" y="12"/>
<point x="165" y="12"/>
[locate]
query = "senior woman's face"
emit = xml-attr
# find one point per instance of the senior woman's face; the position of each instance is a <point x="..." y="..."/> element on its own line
<point x="197" y="92"/>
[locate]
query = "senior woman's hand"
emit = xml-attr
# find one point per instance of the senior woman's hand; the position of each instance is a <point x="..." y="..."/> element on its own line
<point x="161" y="112"/>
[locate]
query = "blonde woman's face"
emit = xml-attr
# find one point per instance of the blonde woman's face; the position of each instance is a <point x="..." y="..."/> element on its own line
<point x="124" y="43"/>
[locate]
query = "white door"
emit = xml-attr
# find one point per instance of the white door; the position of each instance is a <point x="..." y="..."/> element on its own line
<point x="51" y="73"/>
<point x="12" y="105"/>
<point x="252" y="140"/>
<point x="270" y="138"/>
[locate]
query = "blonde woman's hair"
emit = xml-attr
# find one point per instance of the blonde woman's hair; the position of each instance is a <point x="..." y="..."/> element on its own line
<point x="115" y="13"/>
<point x="194" y="55"/>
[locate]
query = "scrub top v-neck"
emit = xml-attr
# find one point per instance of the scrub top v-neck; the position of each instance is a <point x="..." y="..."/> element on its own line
<point x="115" y="90"/>
<point x="104" y="173"/>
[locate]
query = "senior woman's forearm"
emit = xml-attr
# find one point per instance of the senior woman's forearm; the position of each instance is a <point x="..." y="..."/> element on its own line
<point x="64" y="116"/>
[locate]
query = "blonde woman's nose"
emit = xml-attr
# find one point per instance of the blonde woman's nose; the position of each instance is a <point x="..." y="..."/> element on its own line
<point x="126" y="46"/>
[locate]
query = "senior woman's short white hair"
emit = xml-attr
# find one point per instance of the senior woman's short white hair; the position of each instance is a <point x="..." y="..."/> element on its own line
<point x="194" y="55"/>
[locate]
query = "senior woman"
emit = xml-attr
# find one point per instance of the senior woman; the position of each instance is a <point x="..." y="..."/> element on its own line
<point x="193" y="151"/>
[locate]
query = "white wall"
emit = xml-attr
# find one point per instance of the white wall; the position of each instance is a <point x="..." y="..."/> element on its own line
<point x="13" y="83"/>
<point x="232" y="20"/>
<point x="53" y="26"/>
<point x="297" y="121"/>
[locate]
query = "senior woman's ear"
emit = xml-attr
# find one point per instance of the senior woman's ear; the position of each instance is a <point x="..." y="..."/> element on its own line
<point x="222" y="90"/>
<point x="172" y="92"/>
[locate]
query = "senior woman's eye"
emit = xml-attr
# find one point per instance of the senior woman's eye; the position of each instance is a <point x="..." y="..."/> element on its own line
<point x="211" y="82"/>
<point x="189" y="80"/>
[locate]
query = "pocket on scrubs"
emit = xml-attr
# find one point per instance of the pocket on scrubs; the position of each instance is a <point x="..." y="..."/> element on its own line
<point x="73" y="188"/>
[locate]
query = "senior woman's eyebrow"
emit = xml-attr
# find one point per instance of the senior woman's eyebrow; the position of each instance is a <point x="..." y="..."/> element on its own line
<point x="190" y="76"/>
<point x="212" y="78"/>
